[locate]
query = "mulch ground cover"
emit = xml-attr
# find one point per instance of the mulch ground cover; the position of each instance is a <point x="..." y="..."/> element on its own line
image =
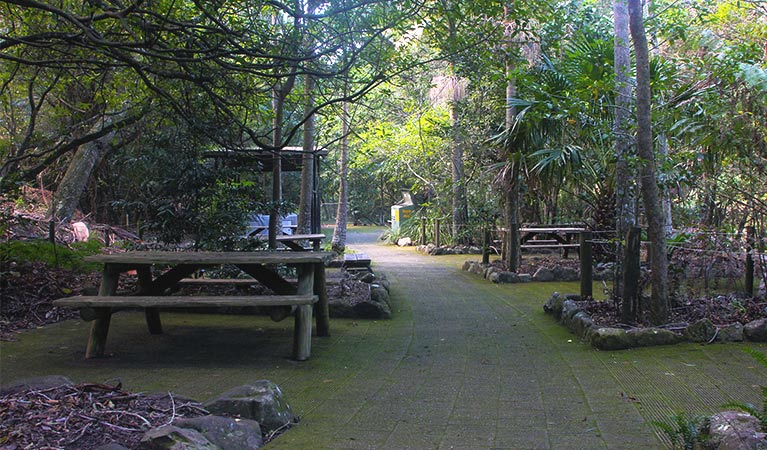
<point x="85" y="416"/>
<point x="721" y="310"/>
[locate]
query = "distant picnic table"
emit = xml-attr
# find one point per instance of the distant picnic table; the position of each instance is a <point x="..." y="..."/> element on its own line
<point x="305" y="295"/>
<point x="560" y="237"/>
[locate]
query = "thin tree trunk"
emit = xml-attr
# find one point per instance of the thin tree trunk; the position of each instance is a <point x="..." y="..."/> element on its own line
<point x="667" y="218"/>
<point x="511" y="216"/>
<point x="624" y="192"/>
<point x="460" y="207"/>
<point x="338" y="242"/>
<point x="278" y="104"/>
<point x="306" y="201"/>
<point x="659" y="302"/>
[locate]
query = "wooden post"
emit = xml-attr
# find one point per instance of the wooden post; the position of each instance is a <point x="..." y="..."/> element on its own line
<point x="423" y="230"/>
<point x="100" y="327"/>
<point x="152" y="315"/>
<point x="631" y="273"/>
<point x="585" y="256"/>
<point x="302" y="330"/>
<point x="321" y="310"/>
<point x="750" y="234"/>
<point x="486" y="245"/>
<point x="436" y="233"/>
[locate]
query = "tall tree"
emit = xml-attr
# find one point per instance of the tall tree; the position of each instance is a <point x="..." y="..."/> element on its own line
<point x="651" y="198"/>
<point x="306" y="200"/>
<point x="511" y="179"/>
<point x="338" y="242"/>
<point x="624" y="193"/>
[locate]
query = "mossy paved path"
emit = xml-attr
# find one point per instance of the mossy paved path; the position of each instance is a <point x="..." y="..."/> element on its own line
<point x="464" y="364"/>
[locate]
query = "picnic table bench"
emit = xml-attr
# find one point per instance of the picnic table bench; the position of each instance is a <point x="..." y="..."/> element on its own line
<point x="302" y="296"/>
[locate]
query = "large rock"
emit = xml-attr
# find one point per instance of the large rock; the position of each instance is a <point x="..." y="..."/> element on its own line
<point x="565" y="274"/>
<point x="478" y="269"/>
<point x="404" y="242"/>
<point x="494" y="277"/>
<point x="171" y="437"/>
<point x="701" y="331"/>
<point x="379" y="294"/>
<point x="525" y="278"/>
<point x="508" y="277"/>
<point x="35" y="384"/>
<point x="553" y="305"/>
<point x="581" y="324"/>
<point x="648" y="337"/>
<point x="731" y="333"/>
<point x="226" y="432"/>
<point x="543" y="274"/>
<point x="605" y="338"/>
<point x="261" y="401"/>
<point x="569" y="309"/>
<point x="492" y="273"/>
<point x="363" y="309"/>
<point x="735" y="430"/>
<point x="756" y="330"/>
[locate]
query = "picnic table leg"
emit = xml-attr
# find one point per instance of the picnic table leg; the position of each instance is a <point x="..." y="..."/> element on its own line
<point x="302" y="331"/>
<point x="100" y="326"/>
<point x="152" y="315"/>
<point x="321" y="310"/>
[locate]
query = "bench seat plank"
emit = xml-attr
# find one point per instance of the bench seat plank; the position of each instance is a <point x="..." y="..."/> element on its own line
<point x="183" y="301"/>
<point x="550" y="246"/>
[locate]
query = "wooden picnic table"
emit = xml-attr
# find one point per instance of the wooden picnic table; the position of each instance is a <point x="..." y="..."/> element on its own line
<point x="258" y="229"/>
<point x="293" y="241"/>
<point x="303" y="296"/>
<point x="558" y="237"/>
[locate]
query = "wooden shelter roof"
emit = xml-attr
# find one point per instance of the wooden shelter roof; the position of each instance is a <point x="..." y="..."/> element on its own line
<point x="292" y="160"/>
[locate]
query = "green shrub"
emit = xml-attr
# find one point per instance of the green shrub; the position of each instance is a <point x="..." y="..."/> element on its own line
<point x="51" y="254"/>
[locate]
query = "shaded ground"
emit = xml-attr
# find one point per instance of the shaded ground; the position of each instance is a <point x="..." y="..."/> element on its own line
<point x="463" y="364"/>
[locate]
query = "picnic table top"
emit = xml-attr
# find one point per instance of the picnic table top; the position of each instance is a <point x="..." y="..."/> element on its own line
<point x="201" y="258"/>
<point x="553" y="230"/>
<point x="298" y="237"/>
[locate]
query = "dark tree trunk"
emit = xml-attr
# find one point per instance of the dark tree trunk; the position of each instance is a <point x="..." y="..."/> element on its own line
<point x="72" y="186"/>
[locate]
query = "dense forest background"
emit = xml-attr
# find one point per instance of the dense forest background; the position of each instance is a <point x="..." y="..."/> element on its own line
<point x="609" y="114"/>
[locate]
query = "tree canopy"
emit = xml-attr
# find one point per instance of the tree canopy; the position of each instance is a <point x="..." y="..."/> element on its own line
<point x="492" y="113"/>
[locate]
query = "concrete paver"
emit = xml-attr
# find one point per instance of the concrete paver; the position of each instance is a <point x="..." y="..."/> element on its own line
<point x="464" y="364"/>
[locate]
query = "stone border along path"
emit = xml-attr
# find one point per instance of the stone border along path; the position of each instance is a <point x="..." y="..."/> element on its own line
<point x="464" y="364"/>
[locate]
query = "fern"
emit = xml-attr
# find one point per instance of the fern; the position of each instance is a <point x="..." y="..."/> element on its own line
<point x="682" y="430"/>
<point x="749" y="408"/>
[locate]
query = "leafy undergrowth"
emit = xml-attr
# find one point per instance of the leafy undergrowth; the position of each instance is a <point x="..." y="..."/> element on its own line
<point x="721" y="310"/>
<point x="28" y="290"/>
